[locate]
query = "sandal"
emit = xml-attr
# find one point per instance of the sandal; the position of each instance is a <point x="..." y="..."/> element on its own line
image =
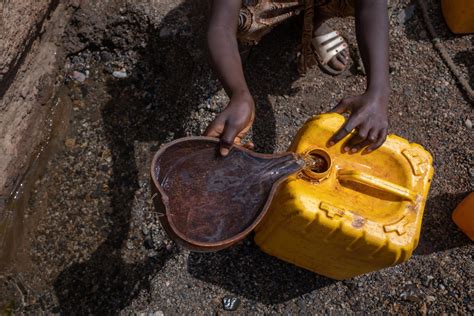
<point x="325" y="47"/>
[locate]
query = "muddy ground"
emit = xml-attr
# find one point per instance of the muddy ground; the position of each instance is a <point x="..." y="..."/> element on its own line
<point x="94" y="244"/>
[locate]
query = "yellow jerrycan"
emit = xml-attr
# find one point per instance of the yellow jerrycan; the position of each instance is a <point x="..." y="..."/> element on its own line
<point x="459" y="15"/>
<point x="359" y="213"/>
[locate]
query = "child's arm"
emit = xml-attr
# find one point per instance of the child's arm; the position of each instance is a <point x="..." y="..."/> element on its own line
<point x="368" y="112"/>
<point x="232" y="124"/>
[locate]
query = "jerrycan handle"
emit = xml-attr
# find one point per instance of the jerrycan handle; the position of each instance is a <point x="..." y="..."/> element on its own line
<point x="364" y="178"/>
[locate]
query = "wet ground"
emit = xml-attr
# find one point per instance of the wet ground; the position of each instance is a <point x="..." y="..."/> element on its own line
<point x="94" y="243"/>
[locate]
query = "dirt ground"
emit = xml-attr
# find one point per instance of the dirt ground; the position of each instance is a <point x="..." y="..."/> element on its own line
<point x="94" y="243"/>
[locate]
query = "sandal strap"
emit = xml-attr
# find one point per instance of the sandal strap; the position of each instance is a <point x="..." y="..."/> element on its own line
<point x="327" y="46"/>
<point x="319" y="40"/>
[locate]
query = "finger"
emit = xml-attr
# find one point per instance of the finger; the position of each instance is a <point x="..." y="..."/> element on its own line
<point x="227" y="139"/>
<point x="342" y="106"/>
<point x="350" y="124"/>
<point x="213" y="130"/>
<point x="371" y="138"/>
<point x="382" y="136"/>
<point x="249" y="145"/>
<point x="358" y="138"/>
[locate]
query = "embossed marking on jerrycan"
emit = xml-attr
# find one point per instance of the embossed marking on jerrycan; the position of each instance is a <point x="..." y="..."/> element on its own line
<point x="362" y="214"/>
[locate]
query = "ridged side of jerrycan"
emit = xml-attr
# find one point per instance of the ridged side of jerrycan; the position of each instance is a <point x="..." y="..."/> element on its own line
<point x="362" y="214"/>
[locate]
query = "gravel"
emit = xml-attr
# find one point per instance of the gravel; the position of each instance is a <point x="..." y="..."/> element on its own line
<point x="96" y="246"/>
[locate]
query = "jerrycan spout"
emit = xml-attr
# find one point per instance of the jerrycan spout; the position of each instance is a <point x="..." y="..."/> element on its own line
<point x="317" y="164"/>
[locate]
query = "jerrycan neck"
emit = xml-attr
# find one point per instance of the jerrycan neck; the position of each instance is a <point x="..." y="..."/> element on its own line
<point x="317" y="163"/>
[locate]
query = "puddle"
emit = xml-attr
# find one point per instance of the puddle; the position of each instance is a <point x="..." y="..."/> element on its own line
<point x="15" y="223"/>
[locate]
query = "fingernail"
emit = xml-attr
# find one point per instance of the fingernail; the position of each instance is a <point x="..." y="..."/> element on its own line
<point x="224" y="151"/>
<point x="354" y="150"/>
<point x="331" y="143"/>
<point x="346" y="148"/>
<point x="369" y="150"/>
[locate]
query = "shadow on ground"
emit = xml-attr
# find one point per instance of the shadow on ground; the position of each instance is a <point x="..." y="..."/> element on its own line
<point x="169" y="80"/>
<point x="439" y="233"/>
<point x="466" y="58"/>
<point x="245" y="270"/>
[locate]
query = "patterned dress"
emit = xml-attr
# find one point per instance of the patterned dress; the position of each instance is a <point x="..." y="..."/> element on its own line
<point x="259" y="17"/>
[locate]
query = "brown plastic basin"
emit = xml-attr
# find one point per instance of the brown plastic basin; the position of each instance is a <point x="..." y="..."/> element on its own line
<point x="207" y="202"/>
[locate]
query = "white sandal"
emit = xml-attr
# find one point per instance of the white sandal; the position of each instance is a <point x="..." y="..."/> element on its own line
<point x="325" y="47"/>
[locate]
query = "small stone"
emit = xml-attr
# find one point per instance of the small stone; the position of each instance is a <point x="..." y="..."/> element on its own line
<point x="120" y="74"/>
<point x="430" y="299"/>
<point x="149" y="244"/>
<point x="106" y="56"/>
<point x="165" y="32"/>
<point x="410" y="297"/>
<point x="406" y="14"/>
<point x="468" y="123"/>
<point x="77" y="104"/>
<point x="230" y="303"/>
<point x="424" y="309"/>
<point x="70" y="143"/>
<point x="427" y="280"/>
<point x="78" y="76"/>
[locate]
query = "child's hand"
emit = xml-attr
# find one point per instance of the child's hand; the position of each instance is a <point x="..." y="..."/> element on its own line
<point x="233" y="123"/>
<point x="368" y="115"/>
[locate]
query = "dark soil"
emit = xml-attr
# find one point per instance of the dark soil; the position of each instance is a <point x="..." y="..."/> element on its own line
<point x="98" y="247"/>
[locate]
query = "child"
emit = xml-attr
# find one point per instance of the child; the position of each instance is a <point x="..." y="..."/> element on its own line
<point x="248" y="20"/>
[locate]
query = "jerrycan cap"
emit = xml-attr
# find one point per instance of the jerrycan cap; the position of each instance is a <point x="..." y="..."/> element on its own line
<point x="207" y="202"/>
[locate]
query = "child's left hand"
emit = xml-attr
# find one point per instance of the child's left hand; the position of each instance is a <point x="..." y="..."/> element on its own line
<point x="368" y="116"/>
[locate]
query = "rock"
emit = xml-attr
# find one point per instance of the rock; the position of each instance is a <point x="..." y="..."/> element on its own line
<point x="106" y="56"/>
<point x="230" y="303"/>
<point x="410" y="297"/>
<point x="406" y="14"/>
<point x="78" y="76"/>
<point x="120" y="74"/>
<point x="468" y="123"/>
<point x="424" y="309"/>
<point x="148" y="243"/>
<point x="70" y="143"/>
<point x="165" y="32"/>
<point x="427" y="280"/>
<point x="430" y="299"/>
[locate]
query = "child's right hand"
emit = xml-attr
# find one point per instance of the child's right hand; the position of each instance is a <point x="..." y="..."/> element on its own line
<point x="234" y="122"/>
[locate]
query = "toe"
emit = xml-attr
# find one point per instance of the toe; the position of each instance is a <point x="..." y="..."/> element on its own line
<point x="335" y="64"/>
<point x="341" y="59"/>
